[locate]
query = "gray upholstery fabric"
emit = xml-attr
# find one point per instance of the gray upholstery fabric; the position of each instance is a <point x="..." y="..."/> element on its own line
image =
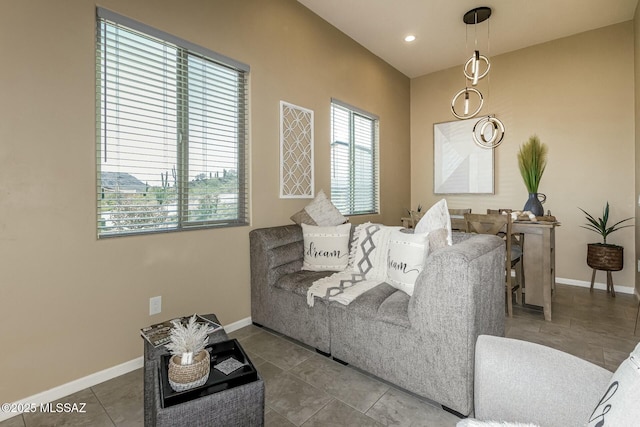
<point x="424" y="343"/>
<point x="458" y="296"/>
<point x="277" y="252"/>
<point x="300" y="281"/>
<point x="394" y="309"/>
<point x="236" y="407"/>
<point x="519" y="381"/>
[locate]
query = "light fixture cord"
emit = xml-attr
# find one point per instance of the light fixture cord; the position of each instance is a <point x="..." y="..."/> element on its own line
<point x="466" y="49"/>
<point x="489" y="56"/>
<point x="475" y="28"/>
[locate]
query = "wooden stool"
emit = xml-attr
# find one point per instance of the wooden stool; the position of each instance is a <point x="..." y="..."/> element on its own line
<point x="609" y="280"/>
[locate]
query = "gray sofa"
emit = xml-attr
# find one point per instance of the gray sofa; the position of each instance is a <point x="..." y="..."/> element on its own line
<point x="424" y="343"/>
<point x="523" y="382"/>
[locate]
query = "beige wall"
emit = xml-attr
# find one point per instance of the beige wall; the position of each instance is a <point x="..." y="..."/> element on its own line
<point x="71" y="305"/>
<point x="636" y="52"/>
<point x="577" y="95"/>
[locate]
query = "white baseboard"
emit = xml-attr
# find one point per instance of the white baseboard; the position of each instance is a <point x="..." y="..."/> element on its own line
<point x="74" y="386"/>
<point x="237" y="325"/>
<point x="96" y="378"/>
<point x="596" y="285"/>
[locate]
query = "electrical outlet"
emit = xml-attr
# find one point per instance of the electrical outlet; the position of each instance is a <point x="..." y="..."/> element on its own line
<point x="155" y="305"/>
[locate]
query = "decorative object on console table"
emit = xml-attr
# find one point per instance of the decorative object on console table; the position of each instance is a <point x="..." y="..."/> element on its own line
<point x="190" y="363"/>
<point x="604" y="256"/>
<point x="416" y="216"/>
<point x="532" y="160"/>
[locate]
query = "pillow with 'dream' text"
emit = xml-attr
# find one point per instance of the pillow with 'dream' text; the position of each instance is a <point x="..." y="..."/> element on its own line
<point x="326" y="248"/>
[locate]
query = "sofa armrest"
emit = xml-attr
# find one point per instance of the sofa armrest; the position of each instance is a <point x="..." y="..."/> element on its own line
<point x="275" y="252"/>
<point x="519" y="381"/>
<point x="460" y="292"/>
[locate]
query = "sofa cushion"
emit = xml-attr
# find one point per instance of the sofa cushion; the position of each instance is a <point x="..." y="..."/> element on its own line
<point x="395" y="310"/>
<point x="326" y="248"/>
<point x="383" y="303"/>
<point x="619" y="403"/>
<point x="300" y="281"/>
<point x="405" y="259"/>
<point x="320" y="211"/>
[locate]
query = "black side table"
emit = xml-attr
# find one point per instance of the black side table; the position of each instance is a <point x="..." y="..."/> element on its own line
<point x="240" y="406"/>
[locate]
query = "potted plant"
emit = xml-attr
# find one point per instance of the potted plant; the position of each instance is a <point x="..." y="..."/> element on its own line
<point x="604" y="256"/>
<point x="532" y="160"/>
<point x="416" y="215"/>
<point x="190" y="363"/>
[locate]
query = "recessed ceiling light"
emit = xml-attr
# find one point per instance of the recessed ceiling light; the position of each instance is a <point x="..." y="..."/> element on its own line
<point x="410" y="38"/>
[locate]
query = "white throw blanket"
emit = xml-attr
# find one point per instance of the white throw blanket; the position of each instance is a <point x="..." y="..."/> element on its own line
<point x="367" y="269"/>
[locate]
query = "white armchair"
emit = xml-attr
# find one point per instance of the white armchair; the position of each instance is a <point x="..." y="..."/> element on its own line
<point x="522" y="382"/>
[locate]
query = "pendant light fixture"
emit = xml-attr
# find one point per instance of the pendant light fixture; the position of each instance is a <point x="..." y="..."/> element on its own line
<point x="488" y="132"/>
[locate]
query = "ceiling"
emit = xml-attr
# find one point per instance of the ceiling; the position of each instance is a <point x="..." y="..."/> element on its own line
<point x="443" y="40"/>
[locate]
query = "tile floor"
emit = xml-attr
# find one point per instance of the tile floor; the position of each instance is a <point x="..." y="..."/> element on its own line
<point x="306" y="389"/>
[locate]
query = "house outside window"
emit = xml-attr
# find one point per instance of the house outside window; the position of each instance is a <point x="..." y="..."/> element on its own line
<point x="170" y="132"/>
<point x="354" y="160"/>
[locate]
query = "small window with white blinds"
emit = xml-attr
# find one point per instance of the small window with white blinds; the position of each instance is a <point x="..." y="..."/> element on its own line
<point x="354" y="160"/>
<point x="171" y="122"/>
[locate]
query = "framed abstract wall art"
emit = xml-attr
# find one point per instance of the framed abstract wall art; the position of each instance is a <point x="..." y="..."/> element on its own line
<point x="460" y="166"/>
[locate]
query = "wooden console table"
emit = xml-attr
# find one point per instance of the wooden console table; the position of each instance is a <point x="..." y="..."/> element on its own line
<point x="539" y="259"/>
<point x="539" y="263"/>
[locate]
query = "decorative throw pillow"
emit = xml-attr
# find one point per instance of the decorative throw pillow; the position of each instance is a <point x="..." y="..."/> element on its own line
<point x="437" y="239"/>
<point x="320" y="211"/>
<point x="302" y="217"/>
<point x="326" y="248"/>
<point x="371" y="246"/>
<point x="436" y="217"/>
<point x="405" y="261"/>
<point x="619" y="403"/>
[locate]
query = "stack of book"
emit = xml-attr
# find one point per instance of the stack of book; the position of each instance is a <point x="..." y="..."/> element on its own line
<point x="159" y="334"/>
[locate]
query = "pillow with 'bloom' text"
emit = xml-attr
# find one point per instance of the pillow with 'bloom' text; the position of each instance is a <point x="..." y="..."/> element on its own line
<point x="405" y="261"/>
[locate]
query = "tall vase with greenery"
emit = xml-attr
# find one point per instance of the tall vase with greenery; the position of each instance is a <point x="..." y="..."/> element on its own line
<point x="532" y="161"/>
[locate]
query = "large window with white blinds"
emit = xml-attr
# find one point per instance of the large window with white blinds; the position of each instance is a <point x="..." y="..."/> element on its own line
<point x="354" y="159"/>
<point x="171" y="132"/>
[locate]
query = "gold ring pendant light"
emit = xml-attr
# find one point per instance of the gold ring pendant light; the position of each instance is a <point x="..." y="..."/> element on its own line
<point x="488" y="132"/>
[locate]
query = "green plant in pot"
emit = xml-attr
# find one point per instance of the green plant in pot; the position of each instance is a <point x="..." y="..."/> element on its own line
<point x="532" y="161"/>
<point x="604" y="256"/>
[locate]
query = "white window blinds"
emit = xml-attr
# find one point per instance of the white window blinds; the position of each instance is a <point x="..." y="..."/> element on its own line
<point x="171" y="132"/>
<point x="354" y="160"/>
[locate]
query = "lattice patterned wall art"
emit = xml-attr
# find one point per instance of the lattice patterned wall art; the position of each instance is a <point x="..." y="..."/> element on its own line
<point x="296" y="151"/>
